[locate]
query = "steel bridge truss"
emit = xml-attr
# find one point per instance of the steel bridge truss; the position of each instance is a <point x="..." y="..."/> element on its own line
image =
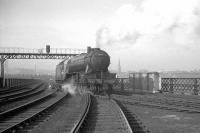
<point x="34" y="56"/>
<point x="24" y="53"/>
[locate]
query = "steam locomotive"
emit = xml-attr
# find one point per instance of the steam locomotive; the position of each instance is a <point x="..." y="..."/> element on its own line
<point x="87" y="69"/>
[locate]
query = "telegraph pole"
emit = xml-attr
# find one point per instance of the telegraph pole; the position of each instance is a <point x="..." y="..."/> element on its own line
<point x="35" y="69"/>
<point x="2" y="80"/>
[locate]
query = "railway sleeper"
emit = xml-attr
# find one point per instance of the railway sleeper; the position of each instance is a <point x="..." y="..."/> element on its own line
<point x="102" y="117"/>
<point x="135" y="123"/>
<point x="41" y="117"/>
<point x="161" y="106"/>
<point x="32" y="118"/>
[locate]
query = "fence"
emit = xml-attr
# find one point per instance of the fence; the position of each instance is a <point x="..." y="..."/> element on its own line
<point x="139" y="83"/>
<point x="151" y="83"/>
<point x="122" y="84"/>
<point x="14" y="82"/>
<point x="181" y="85"/>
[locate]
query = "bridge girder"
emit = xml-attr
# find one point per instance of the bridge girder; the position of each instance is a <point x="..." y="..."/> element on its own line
<point x="24" y="53"/>
<point x="34" y="56"/>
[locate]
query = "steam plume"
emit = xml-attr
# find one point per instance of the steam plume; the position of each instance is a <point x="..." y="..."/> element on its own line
<point x="72" y="89"/>
<point x="152" y="18"/>
<point x="69" y="88"/>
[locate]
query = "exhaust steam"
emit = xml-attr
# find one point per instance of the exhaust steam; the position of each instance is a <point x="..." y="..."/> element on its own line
<point x="69" y="88"/>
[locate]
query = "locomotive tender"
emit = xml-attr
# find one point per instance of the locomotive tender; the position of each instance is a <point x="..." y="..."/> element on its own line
<point x="88" y="69"/>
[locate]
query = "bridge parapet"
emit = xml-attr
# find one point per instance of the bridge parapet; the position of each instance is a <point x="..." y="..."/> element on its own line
<point x="152" y="82"/>
<point x="139" y="83"/>
<point x="181" y="85"/>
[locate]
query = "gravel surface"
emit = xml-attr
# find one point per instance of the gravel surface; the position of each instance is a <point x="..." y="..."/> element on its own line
<point x="162" y="101"/>
<point x="64" y="114"/>
<point x="23" y="115"/>
<point x="167" y="121"/>
<point x="104" y="117"/>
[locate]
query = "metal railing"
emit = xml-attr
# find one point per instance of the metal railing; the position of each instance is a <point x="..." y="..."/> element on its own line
<point x="41" y="51"/>
<point x="181" y="85"/>
<point x="189" y="86"/>
<point x="14" y="82"/>
<point x="139" y="83"/>
<point x="122" y="84"/>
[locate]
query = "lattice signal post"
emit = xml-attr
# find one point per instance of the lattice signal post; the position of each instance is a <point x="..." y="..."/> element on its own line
<point x="24" y="53"/>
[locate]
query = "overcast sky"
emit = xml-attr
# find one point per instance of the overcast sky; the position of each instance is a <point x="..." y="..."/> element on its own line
<point x="144" y="34"/>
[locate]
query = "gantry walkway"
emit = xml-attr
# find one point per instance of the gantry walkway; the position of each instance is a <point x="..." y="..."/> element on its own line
<point x="25" y="53"/>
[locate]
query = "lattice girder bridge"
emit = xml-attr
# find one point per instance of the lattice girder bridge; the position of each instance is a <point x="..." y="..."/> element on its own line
<point x="25" y="53"/>
<point x="34" y="56"/>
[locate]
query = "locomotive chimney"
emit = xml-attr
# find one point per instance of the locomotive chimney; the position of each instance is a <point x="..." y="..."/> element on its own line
<point x="89" y="49"/>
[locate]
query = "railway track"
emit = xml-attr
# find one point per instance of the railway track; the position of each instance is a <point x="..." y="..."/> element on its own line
<point x="15" y="118"/>
<point x="64" y="118"/>
<point x="21" y="98"/>
<point x="20" y="87"/>
<point x="190" y="98"/>
<point x="20" y="93"/>
<point x="135" y="123"/>
<point x="168" y="103"/>
<point x="102" y="115"/>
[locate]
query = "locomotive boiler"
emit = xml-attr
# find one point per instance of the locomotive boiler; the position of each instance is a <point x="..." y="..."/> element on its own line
<point x="88" y="69"/>
<point x="95" y="60"/>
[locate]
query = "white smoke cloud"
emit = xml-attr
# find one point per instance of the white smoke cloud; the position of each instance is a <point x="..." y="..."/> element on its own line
<point x="69" y="88"/>
<point x="74" y="89"/>
<point x="178" y="19"/>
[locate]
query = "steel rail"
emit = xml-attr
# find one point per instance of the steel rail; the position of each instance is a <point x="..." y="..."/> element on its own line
<point x="16" y="88"/>
<point x="177" y="102"/>
<point x="123" y="115"/>
<point x="77" y="126"/>
<point x="4" y="113"/>
<point x="184" y="105"/>
<point x="158" y="105"/>
<point x="179" y="109"/>
<point x="107" y="114"/>
<point x="135" y="123"/>
<point x="174" y="102"/>
<point x="18" y="97"/>
<point x="32" y="113"/>
<point x="21" y="92"/>
<point x="185" y="97"/>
